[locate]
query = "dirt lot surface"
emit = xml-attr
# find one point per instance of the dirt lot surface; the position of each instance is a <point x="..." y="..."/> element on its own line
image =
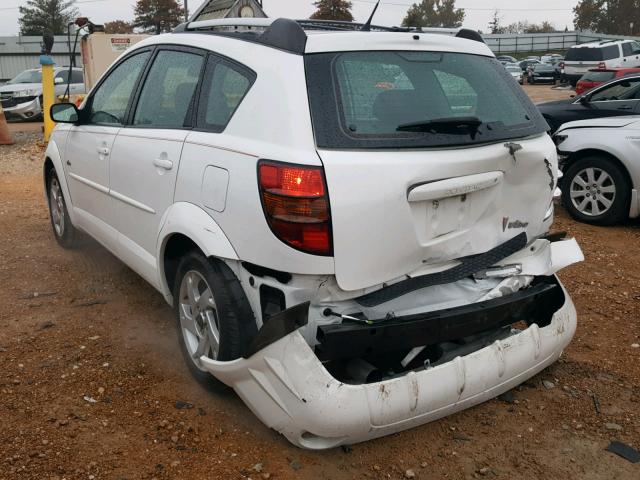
<point x="90" y="373"/>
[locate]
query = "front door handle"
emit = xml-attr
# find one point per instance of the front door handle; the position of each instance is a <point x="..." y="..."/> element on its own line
<point x="163" y="163"/>
<point x="103" y="151"/>
<point x="625" y="107"/>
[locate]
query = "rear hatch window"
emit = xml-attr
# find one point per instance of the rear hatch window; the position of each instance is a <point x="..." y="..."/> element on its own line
<point x="591" y="54"/>
<point x="598" y="76"/>
<point x="367" y="100"/>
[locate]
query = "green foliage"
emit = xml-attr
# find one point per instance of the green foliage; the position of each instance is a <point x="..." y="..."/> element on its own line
<point x="333" y="10"/>
<point x="613" y="17"/>
<point x="118" y="26"/>
<point x="52" y="16"/>
<point x="158" y="16"/>
<point x="526" y="27"/>
<point x="434" y="13"/>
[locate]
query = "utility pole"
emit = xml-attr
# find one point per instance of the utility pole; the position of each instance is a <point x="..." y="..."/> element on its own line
<point x="186" y="10"/>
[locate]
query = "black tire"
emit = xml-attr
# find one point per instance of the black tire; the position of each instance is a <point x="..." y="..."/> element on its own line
<point x="64" y="232"/>
<point x="235" y="319"/>
<point x="618" y="211"/>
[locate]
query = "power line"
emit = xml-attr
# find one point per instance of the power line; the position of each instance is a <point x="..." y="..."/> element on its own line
<point x="76" y="3"/>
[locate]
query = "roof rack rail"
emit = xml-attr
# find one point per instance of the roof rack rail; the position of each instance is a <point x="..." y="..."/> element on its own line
<point x="289" y="35"/>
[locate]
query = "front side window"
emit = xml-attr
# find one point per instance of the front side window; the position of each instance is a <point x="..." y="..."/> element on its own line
<point x="627" y="49"/>
<point x="415" y="99"/>
<point x="624" y="90"/>
<point x="62" y="77"/>
<point x="225" y="86"/>
<point x="168" y="91"/>
<point x="110" y="101"/>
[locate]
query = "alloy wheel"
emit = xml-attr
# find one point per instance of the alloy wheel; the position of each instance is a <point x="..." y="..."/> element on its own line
<point x="199" y="318"/>
<point x="593" y="191"/>
<point x="56" y="202"/>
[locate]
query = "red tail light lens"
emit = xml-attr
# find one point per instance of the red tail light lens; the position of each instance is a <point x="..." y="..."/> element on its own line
<point x="296" y="205"/>
<point x="561" y="65"/>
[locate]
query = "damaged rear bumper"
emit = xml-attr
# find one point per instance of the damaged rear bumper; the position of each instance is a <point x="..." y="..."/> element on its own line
<point x="289" y="389"/>
<point x="285" y="383"/>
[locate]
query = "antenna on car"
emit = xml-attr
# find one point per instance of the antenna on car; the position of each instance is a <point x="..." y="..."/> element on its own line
<point x="367" y="26"/>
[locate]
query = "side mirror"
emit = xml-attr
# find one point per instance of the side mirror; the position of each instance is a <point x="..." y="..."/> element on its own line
<point x="65" y="113"/>
<point x="58" y="80"/>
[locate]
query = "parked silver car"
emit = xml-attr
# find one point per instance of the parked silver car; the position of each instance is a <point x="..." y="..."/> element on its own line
<point x="21" y="97"/>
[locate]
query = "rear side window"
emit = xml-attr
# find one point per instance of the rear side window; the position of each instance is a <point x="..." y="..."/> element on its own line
<point x="627" y="49"/>
<point x="368" y="99"/>
<point x="611" y="52"/>
<point x="225" y="86"/>
<point x="77" y="76"/>
<point x="168" y="91"/>
<point x="598" y="76"/>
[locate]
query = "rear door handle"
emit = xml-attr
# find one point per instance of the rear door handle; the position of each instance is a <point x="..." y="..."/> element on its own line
<point x="103" y="150"/>
<point x="163" y="163"/>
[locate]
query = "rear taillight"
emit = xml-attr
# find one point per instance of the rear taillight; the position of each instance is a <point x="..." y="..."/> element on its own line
<point x="602" y="65"/>
<point x="296" y="205"/>
<point x="561" y="65"/>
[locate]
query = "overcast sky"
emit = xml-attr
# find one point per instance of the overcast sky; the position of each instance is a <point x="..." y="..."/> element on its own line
<point x="391" y="12"/>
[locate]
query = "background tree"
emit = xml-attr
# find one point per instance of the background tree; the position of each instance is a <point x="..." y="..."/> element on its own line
<point x="434" y="13"/>
<point x="50" y="15"/>
<point x="615" y="17"/>
<point x="587" y="14"/>
<point x="333" y="10"/>
<point x="118" y="26"/>
<point x="526" y="27"/>
<point x="157" y="16"/>
<point x="494" y="24"/>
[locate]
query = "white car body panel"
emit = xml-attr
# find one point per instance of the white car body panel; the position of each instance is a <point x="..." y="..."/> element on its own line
<point x="616" y="136"/>
<point x="411" y="233"/>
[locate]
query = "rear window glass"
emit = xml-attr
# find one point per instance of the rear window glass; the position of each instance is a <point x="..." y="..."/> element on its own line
<point x="378" y="94"/>
<point x="593" y="54"/>
<point x="598" y="76"/>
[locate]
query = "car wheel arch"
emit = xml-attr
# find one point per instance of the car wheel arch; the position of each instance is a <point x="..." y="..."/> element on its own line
<point x="594" y="152"/>
<point x="187" y="227"/>
<point x="53" y="162"/>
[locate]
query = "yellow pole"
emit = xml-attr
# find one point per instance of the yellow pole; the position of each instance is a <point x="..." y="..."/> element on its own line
<point x="48" y="94"/>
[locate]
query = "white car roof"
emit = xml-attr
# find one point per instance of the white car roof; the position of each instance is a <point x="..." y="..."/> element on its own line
<point x="601" y="44"/>
<point x="309" y="36"/>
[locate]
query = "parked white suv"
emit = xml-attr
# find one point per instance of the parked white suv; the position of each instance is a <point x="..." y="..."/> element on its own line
<point x="352" y="226"/>
<point x="21" y="97"/>
<point x="603" y="55"/>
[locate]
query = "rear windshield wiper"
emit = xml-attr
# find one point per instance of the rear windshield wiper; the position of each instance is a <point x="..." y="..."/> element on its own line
<point x="452" y="125"/>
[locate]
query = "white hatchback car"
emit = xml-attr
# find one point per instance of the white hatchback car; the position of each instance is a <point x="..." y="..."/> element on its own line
<point x="352" y="226"/>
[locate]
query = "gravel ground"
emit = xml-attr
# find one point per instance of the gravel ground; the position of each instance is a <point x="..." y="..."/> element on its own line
<point x="91" y="373"/>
